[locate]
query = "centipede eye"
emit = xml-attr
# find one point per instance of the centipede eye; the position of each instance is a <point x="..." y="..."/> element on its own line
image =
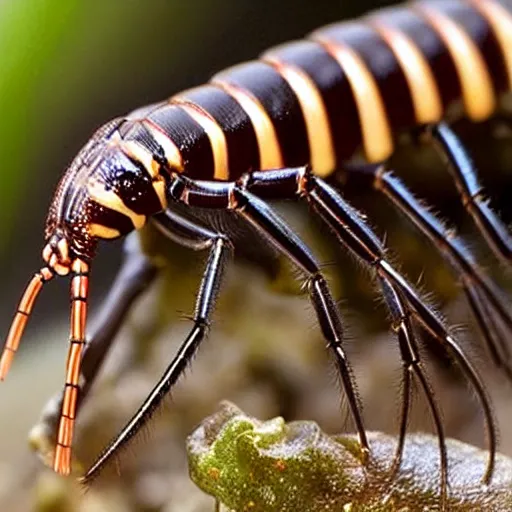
<point x="21" y="318"/>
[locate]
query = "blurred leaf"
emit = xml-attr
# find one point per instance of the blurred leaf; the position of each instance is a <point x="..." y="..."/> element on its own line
<point x="30" y="33"/>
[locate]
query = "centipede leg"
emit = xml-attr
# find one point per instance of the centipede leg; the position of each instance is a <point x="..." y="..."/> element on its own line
<point x="195" y="237"/>
<point x="483" y="295"/>
<point x="261" y="216"/>
<point x="412" y="365"/>
<point x="134" y="277"/>
<point x="232" y="196"/>
<point x="351" y="229"/>
<point x="471" y="191"/>
<point x="284" y="182"/>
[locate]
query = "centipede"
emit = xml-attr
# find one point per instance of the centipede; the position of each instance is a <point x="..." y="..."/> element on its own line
<point x="293" y="124"/>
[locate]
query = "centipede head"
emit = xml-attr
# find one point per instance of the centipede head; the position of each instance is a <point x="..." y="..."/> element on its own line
<point x="104" y="194"/>
<point x="70" y="243"/>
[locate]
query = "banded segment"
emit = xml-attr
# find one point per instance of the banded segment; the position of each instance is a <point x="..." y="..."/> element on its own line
<point x="335" y="89"/>
<point x="375" y="127"/>
<point x="143" y="141"/>
<point x="235" y="122"/>
<point x="269" y="151"/>
<point x="323" y="157"/>
<point x="480" y="31"/>
<point x="500" y="21"/>
<point x="477" y="87"/>
<point x="421" y="82"/>
<point x="214" y="132"/>
<point x="262" y="82"/>
<point x="189" y="137"/>
<point x="411" y="25"/>
<point x="381" y="63"/>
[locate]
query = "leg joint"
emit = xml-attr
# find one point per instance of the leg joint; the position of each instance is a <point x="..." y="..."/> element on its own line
<point x="275" y="184"/>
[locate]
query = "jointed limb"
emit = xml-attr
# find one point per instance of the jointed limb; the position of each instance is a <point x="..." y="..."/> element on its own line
<point x="351" y="229"/>
<point x="260" y="215"/>
<point x="134" y="278"/>
<point x="471" y="191"/>
<point x="483" y="295"/>
<point x="195" y="237"/>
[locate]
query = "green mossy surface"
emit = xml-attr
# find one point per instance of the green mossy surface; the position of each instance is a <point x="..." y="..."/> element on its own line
<point x="271" y="466"/>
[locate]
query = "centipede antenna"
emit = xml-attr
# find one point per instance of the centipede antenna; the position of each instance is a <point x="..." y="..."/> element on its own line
<point x="21" y="318"/>
<point x="79" y="294"/>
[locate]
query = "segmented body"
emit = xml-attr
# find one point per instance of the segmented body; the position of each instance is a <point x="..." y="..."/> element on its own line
<point x="254" y="131"/>
<point x="344" y="91"/>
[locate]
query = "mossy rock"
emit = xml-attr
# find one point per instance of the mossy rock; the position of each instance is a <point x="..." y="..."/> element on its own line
<point x="267" y="466"/>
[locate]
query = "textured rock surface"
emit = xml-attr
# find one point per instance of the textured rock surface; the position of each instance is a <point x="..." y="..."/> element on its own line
<point x="272" y="466"/>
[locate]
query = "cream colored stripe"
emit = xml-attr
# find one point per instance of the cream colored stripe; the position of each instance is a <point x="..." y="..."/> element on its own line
<point x="110" y="199"/>
<point x="268" y="145"/>
<point x="377" y="138"/>
<point x="428" y="107"/>
<point x="101" y="231"/>
<point x="501" y="23"/>
<point x="160" y="189"/>
<point x="323" y="157"/>
<point x="214" y="133"/>
<point x="171" y="151"/>
<point x="141" y="154"/>
<point x="477" y="92"/>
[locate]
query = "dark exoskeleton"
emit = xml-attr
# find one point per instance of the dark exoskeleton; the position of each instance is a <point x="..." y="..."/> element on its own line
<point x="275" y="129"/>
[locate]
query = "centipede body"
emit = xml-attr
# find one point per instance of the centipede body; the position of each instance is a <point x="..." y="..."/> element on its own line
<point x="278" y="128"/>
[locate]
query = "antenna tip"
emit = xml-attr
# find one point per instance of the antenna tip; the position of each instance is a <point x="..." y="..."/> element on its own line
<point x="62" y="461"/>
<point x="5" y="363"/>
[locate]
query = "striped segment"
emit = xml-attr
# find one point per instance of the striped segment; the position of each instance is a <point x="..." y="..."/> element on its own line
<point x="483" y="35"/>
<point x="500" y="22"/>
<point x="420" y="79"/>
<point x="313" y="109"/>
<point x="269" y="151"/>
<point x="349" y="89"/>
<point x="241" y="125"/>
<point x="375" y="127"/>
<point x="477" y="91"/>
<point x="214" y="133"/>
<point x="279" y="101"/>
<point x="332" y="83"/>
